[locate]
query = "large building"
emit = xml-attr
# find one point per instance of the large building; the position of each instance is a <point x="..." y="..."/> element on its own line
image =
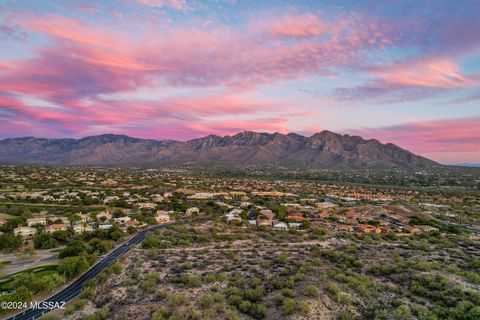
<point x="27" y="233"/>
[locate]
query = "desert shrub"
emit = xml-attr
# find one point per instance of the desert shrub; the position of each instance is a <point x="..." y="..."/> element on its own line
<point x="176" y="300"/>
<point x="288" y="306"/>
<point x="311" y="291"/>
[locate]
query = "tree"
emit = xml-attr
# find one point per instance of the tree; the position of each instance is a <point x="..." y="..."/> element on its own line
<point x="100" y="246"/>
<point x="28" y="251"/>
<point x="23" y="294"/>
<point x="71" y="266"/>
<point x="118" y="213"/>
<point x="74" y="248"/>
<point x="62" y="235"/>
<point x="9" y="241"/>
<point x="53" y="280"/>
<point x="115" y="233"/>
<point x="131" y="230"/>
<point x="44" y="240"/>
<point x="74" y="218"/>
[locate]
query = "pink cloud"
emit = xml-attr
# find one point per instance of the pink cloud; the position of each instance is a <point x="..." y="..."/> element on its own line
<point x="84" y="60"/>
<point x="298" y="26"/>
<point x="434" y="137"/>
<point x="175" y="4"/>
<point x="410" y="80"/>
<point x="435" y="73"/>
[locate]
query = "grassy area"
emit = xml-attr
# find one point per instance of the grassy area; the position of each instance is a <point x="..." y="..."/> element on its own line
<point x="6" y="216"/>
<point x="6" y="283"/>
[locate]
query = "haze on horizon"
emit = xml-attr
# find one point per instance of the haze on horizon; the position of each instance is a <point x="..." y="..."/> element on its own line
<point x="402" y="72"/>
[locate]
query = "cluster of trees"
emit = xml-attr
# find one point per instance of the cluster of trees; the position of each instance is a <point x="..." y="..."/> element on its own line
<point x="37" y="283"/>
<point x="72" y="266"/>
<point x="10" y="242"/>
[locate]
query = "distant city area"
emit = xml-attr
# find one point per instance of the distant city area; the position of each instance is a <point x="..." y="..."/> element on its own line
<point x="240" y="243"/>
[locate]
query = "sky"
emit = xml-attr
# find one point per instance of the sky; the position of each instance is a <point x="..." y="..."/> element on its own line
<point x="406" y="72"/>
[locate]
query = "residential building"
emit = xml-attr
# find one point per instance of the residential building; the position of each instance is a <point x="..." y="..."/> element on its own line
<point x="104" y="216"/>
<point x="56" y="227"/>
<point x="121" y="220"/>
<point x="36" y="221"/>
<point x="26" y="233"/>
<point x="192" y="210"/>
<point x="80" y="228"/>
<point x="278" y="225"/>
<point x="162" y="216"/>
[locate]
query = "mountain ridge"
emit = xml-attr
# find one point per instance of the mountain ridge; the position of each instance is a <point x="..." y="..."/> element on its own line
<point x="323" y="149"/>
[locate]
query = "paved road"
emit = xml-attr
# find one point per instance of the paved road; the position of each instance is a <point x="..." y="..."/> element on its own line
<point x="73" y="289"/>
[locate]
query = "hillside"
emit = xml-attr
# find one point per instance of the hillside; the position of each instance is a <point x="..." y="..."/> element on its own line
<point x="324" y="150"/>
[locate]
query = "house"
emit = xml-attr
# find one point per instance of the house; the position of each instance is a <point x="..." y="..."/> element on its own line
<point x="352" y="215"/>
<point x="351" y="221"/>
<point x="268" y="214"/>
<point x="61" y="219"/>
<point x="132" y="223"/>
<point x="147" y="205"/>
<point x="385" y="229"/>
<point x="325" y="205"/>
<point x="162" y="216"/>
<point x="201" y="196"/>
<point x="265" y="217"/>
<point x="192" y="210"/>
<point x="236" y="211"/>
<point x="223" y="204"/>
<point x="80" y="228"/>
<point x="426" y="228"/>
<point x="296" y="218"/>
<point x="278" y="225"/>
<point x="110" y="199"/>
<point x="246" y="204"/>
<point x="343" y="228"/>
<point x="85" y="218"/>
<point x="320" y="224"/>
<point x="104" y="216"/>
<point x="56" y="227"/>
<point x="232" y="217"/>
<point x="294" y="225"/>
<point x="366" y="228"/>
<point x="36" y="221"/>
<point x="264" y="223"/>
<point x="26" y="233"/>
<point x="411" y="229"/>
<point x="158" y="198"/>
<point x="237" y="193"/>
<point x="322" y="215"/>
<point x="121" y="220"/>
<point x="292" y="205"/>
<point x="104" y="226"/>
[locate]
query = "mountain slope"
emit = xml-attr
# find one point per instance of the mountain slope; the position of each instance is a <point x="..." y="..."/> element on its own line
<point x="324" y="149"/>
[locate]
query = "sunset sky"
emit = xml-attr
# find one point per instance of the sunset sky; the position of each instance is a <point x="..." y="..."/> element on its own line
<point x="406" y="72"/>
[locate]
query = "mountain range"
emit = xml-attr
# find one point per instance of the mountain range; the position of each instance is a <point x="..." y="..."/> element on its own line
<point x="323" y="150"/>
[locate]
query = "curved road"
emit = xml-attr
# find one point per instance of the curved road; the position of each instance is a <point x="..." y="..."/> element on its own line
<point x="73" y="289"/>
